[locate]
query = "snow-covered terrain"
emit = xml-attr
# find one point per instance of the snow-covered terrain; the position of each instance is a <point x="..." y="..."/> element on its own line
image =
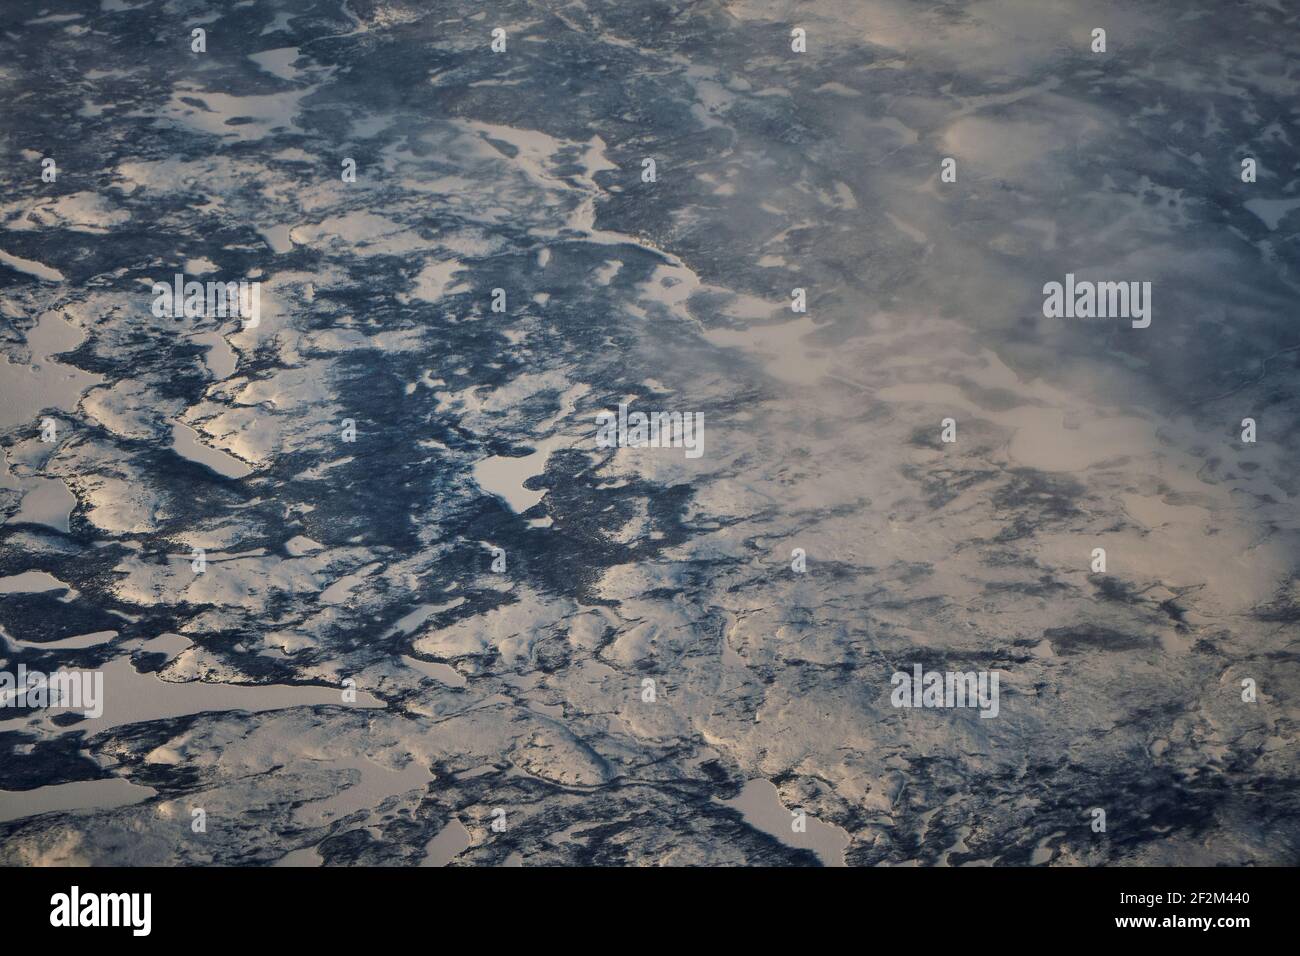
<point x="438" y="623"/>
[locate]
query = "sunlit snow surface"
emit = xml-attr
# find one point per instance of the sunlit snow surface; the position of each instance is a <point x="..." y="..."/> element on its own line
<point x="521" y="691"/>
